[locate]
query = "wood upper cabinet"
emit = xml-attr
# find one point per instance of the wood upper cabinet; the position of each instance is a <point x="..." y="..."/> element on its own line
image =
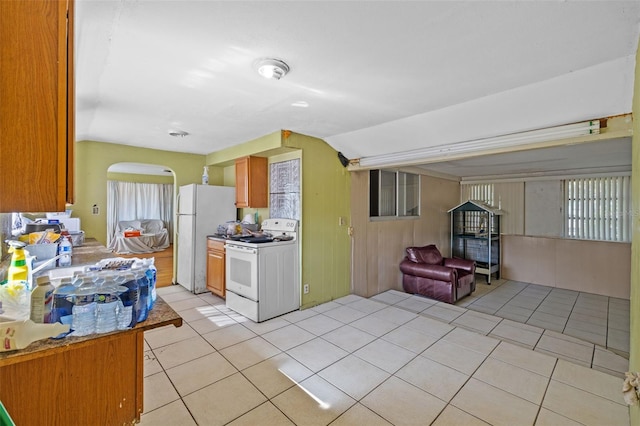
<point x="36" y="105"/>
<point x="251" y="182"/>
<point x="216" y="267"/>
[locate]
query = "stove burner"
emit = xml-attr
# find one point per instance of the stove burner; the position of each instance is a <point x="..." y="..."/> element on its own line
<point x="256" y="240"/>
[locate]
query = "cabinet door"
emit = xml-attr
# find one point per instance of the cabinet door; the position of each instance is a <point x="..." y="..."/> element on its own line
<point x="216" y="272"/>
<point x="36" y="112"/>
<point x="242" y="182"/>
<point x="251" y="182"/>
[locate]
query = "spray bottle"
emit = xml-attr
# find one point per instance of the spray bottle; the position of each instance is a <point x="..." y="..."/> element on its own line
<point x="18" y="271"/>
<point x="205" y="176"/>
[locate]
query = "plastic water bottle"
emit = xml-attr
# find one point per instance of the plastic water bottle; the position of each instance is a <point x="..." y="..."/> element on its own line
<point x="130" y="303"/>
<point x="102" y="278"/>
<point x="83" y="321"/>
<point x="65" y="252"/>
<point x="79" y="277"/>
<point x="106" y="306"/>
<point x="123" y="317"/>
<point x="143" y="297"/>
<point x="63" y="302"/>
<point x="148" y="269"/>
<point x="152" y="274"/>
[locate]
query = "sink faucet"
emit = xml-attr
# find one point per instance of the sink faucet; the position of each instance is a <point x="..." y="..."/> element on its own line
<point x="40" y="267"/>
<point x="34" y="271"/>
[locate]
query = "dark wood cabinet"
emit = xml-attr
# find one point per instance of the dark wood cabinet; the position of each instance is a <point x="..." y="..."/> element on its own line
<point x="251" y="182"/>
<point x="37" y="106"/>
<point x="216" y="267"/>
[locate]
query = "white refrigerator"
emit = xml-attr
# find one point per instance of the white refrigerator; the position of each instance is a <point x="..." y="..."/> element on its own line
<point x="201" y="208"/>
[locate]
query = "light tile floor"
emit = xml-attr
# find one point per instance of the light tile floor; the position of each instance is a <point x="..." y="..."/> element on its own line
<point x="598" y="319"/>
<point x="390" y="359"/>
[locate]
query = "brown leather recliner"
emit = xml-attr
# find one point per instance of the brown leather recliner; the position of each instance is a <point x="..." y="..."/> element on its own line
<point x="427" y="273"/>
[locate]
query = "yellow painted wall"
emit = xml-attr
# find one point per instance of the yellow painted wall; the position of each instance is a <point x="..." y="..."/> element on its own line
<point x="326" y="245"/>
<point x="91" y="164"/>
<point x="263" y="146"/>
<point x="325" y="198"/>
<point x="634" y="354"/>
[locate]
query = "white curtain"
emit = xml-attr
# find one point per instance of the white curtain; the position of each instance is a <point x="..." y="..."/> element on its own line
<point x="137" y="201"/>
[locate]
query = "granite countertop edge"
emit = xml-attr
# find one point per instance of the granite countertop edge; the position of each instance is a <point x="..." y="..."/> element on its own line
<point x="89" y="253"/>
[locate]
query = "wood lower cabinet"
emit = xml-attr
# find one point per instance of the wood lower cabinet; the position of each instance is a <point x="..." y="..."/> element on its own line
<point x="37" y="107"/>
<point x="89" y="380"/>
<point x="216" y="267"/>
<point x="251" y="182"/>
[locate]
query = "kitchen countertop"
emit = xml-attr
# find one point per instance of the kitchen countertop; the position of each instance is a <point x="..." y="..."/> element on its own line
<point x="162" y="314"/>
<point x="95" y="379"/>
<point x="89" y="253"/>
<point x="217" y="237"/>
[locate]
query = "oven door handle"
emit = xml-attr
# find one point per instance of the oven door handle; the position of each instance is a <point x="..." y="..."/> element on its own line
<point x="241" y="249"/>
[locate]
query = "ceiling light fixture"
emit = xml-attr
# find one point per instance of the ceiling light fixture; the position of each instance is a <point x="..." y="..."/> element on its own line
<point x="271" y="68"/>
<point x="511" y="140"/>
<point x="178" y="133"/>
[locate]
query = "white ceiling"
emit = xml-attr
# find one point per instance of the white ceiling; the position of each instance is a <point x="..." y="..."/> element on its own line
<point x="610" y="156"/>
<point x="378" y="77"/>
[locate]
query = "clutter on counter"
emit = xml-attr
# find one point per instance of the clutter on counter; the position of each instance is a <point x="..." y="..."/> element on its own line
<point x="25" y="224"/>
<point x="233" y="228"/>
<point x="18" y="270"/>
<point x="41" y="300"/>
<point x="45" y="243"/>
<point x="112" y="294"/>
<point x="20" y="334"/>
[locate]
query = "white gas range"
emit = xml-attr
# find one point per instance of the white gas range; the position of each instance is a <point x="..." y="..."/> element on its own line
<point x="263" y="273"/>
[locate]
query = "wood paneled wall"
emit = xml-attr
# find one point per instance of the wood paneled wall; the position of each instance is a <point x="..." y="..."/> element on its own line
<point x="598" y="267"/>
<point x="379" y="246"/>
<point x="509" y="197"/>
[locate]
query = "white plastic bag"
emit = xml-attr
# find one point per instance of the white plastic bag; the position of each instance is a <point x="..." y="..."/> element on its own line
<point x="15" y="297"/>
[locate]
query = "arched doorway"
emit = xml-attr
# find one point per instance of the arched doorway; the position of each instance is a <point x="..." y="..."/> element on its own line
<point x="138" y="180"/>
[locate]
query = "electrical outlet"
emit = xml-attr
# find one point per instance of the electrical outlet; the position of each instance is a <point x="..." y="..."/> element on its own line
<point x="305" y="289"/>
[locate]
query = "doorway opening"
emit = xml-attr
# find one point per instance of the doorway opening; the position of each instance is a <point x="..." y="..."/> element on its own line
<point x="141" y="196"/>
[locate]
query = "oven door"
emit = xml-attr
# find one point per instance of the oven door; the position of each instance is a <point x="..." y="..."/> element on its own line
<point x="242" y="270"/>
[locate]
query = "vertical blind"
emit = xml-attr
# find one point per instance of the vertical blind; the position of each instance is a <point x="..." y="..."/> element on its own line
<point x="598" y="208"/>
<point x="479" y="192"/>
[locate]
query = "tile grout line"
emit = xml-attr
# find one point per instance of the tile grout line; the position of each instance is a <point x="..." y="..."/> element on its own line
<point x="397" y="326"/>
<point x="566" y="322"/>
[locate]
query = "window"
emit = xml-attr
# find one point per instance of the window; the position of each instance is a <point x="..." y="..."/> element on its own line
<point x="393" y="194"/>
<point x="284" y="189"/>
<point x="477" y="192"/>
<point x="598" y="208"/>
